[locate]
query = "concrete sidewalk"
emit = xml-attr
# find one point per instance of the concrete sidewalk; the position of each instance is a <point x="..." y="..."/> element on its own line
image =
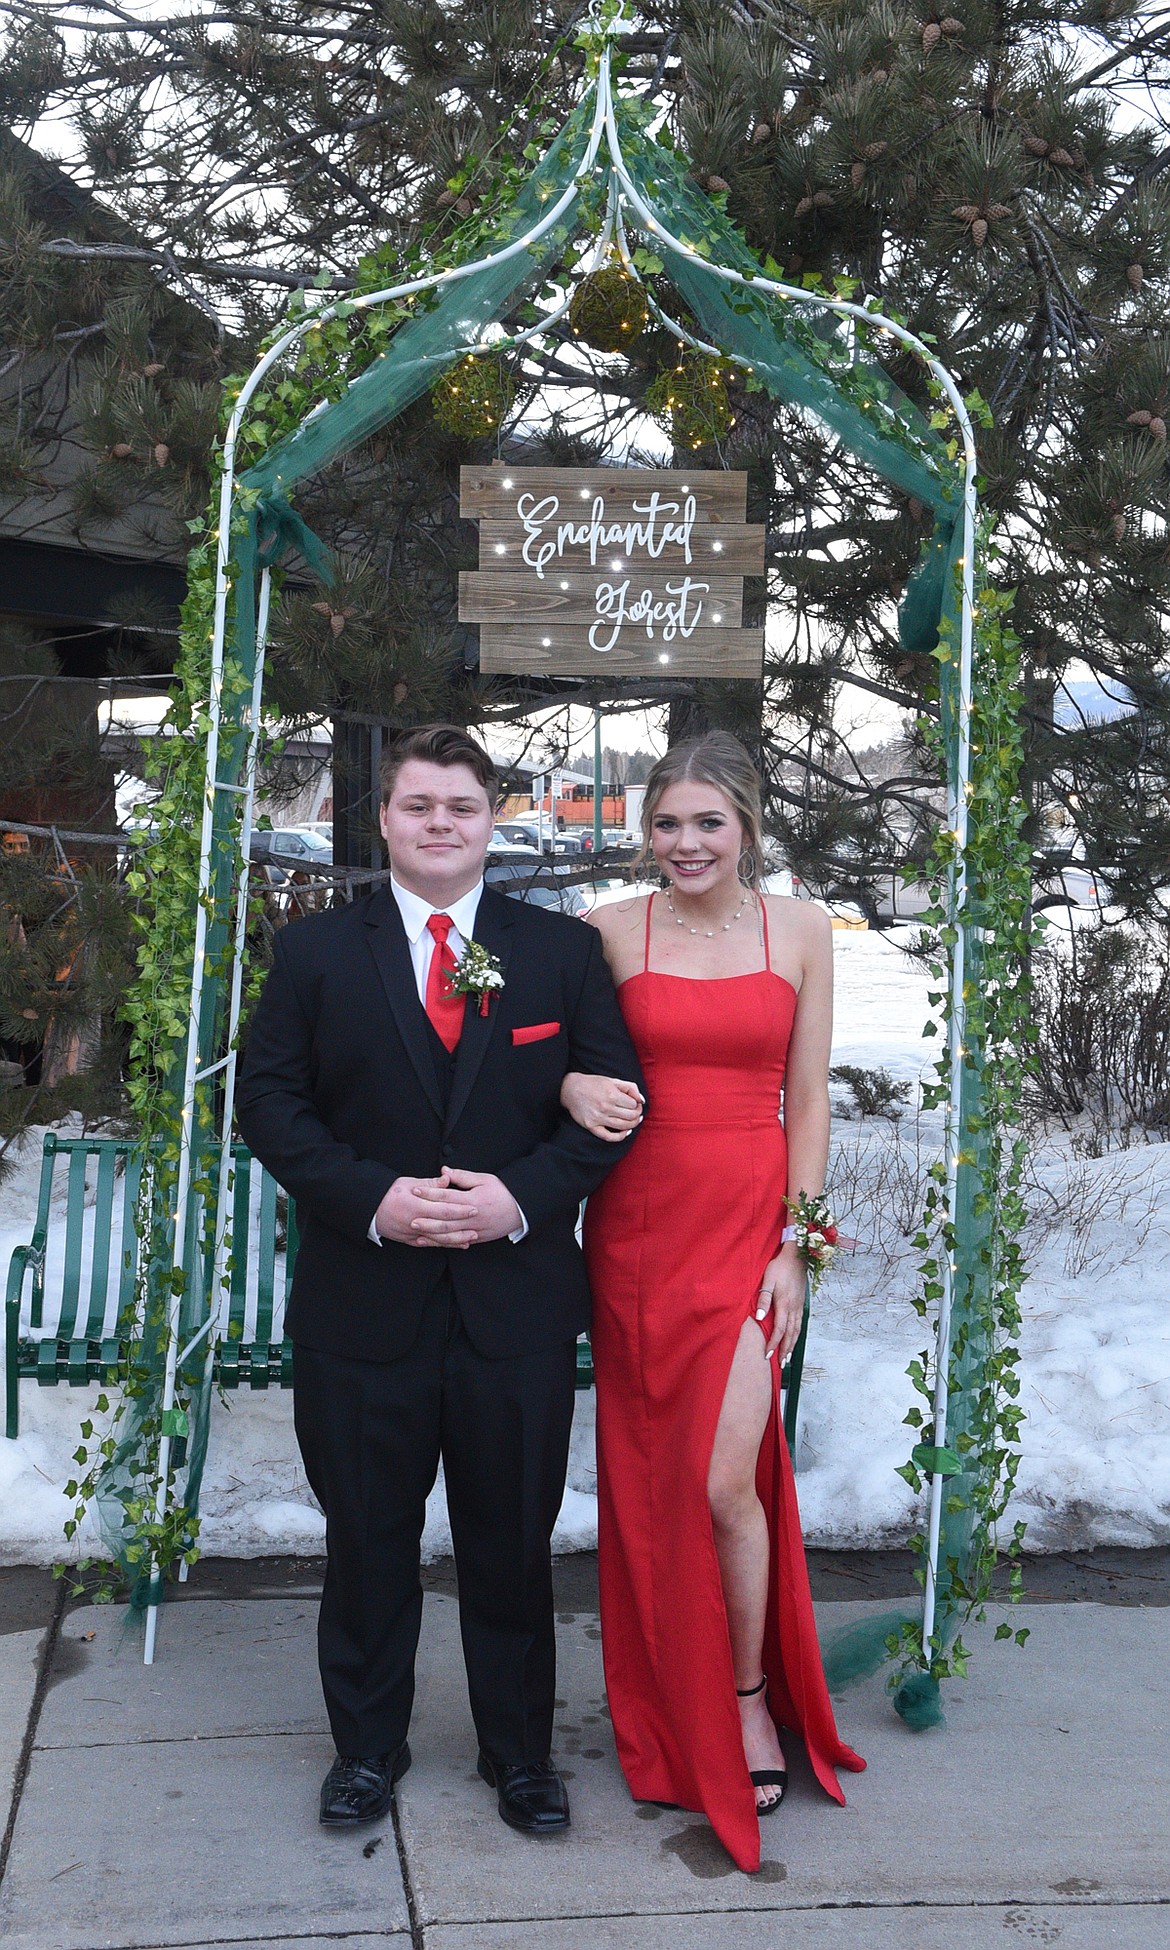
<point x="176" y="1806"/>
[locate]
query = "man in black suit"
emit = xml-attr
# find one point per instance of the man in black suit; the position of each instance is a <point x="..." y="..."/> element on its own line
<point x="439" y="1290"/>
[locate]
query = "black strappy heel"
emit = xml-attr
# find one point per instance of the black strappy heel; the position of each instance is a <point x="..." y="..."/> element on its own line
<point x="764" y="1777"/>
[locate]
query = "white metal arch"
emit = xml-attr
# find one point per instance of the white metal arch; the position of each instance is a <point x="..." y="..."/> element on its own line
<point x="603" y="129"/>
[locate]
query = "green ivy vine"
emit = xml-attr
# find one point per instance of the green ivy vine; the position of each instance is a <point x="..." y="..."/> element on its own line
<point x="982" y="1461"/>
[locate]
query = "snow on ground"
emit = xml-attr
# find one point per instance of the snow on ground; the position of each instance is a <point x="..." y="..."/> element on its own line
<point x="1096" y="1344"/>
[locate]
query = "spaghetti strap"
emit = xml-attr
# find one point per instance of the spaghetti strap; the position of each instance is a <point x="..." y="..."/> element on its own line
<point x="646" y="956"/>
<point x="767" y="948"/>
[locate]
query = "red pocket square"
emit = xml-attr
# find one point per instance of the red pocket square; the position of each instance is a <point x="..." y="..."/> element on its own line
<point x="535" y="1032"/>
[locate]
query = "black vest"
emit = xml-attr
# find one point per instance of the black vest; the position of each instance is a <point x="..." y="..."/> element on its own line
<point x="444" y="1062"/>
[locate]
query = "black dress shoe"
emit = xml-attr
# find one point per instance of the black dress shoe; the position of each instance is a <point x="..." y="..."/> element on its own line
<point x="360" y="1790"/>
<point x="530" y="1793"/>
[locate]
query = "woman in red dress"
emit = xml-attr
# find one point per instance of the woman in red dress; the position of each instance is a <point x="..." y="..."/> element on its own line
<point x="707" y="1625"/>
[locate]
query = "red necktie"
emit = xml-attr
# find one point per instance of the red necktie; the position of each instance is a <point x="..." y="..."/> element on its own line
<point x="444" y="1009"/>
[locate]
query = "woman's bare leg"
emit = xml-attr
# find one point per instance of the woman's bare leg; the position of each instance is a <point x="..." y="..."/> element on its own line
<point x="741" y="1538"/>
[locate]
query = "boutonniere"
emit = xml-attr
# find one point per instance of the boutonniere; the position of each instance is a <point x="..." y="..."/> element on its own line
<point x="478" y="973"/>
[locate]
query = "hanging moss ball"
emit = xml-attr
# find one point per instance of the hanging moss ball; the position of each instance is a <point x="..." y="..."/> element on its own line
<point x="472" y="398"/>
<point x="609" y="309"/>
<point x="692" y="400"/>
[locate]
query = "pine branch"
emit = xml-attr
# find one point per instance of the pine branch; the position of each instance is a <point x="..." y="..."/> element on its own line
<point x="184" y="268"/>
<point x="62" y="833"/>
<point x="1156" y="37"/>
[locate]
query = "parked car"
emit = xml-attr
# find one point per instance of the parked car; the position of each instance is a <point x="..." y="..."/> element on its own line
<point x="512" y="850"/>
<point x="898" y="901"/>
<point x="1067" y="886"/>
<point x="298" y="849"/>
<point x="509" y="873"/>
<point x="527" y="832"/>
<point x="521" y="832"/>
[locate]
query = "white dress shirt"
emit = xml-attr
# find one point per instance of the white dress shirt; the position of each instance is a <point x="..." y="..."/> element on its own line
<point x="416" y="912"/>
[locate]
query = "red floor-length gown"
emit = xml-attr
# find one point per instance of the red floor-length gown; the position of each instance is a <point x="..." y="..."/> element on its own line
<point x="677" y="1240"/>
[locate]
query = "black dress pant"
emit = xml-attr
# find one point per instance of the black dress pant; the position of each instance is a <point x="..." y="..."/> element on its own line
<point x="371" y="1434"/>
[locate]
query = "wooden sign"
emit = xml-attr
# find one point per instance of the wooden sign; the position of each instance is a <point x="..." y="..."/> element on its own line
<point x="584" y="571"/>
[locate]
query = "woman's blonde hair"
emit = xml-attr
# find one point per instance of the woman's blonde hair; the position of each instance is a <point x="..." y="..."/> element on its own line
<point x="720" y="760"/>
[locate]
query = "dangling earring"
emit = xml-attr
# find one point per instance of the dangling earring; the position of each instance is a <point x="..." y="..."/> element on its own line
<point x="745" y="879"/>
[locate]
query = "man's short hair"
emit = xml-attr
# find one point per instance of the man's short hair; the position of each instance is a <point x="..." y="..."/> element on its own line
<point x="437" y="744"/>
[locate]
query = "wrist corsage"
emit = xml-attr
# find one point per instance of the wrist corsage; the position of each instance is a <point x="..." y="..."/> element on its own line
<point x="478" y="973"/>
<point x="813" y="1228"/>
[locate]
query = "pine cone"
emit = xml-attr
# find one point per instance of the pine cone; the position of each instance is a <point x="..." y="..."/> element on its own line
<point x="979" y="232"/>
<point x="162" y="453"/>
<point x="857" y="174"/>
<point x="879" y="74"/>
<point x="875" y="149"/>
<point x="803" y="207"/>
<point x="444" y="198"/>
<point x="1141" y="418"/>
<point x="153" y="369"/>
<point x="717" y="184"/>
<point x="998" y="211"/>
<point x="1158" y="427"/>
<point x="931" y="36"/>
<point x="950" y="25"/>
<point x="1062" y="157"/>
<point x="337" y="617"/>
<point x="1135" y="277"/>
<point x="822" y="200"/>
<point x="1117" y="528"/>
<point x="762" y="132"/>
<point x="463" y="206"/>
<point x="1035" y="145"/>
<point x="966" y="212"/>
<point x="122" y="451"/>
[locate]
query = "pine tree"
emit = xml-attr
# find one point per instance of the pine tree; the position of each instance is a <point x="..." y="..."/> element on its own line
<point x="998" y="176"/>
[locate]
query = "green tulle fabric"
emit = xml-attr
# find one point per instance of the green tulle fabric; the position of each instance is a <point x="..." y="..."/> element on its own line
<point x="810" y="361"/>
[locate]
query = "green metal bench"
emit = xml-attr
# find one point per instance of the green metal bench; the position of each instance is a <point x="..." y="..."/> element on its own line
<point x="80" y="1267"/>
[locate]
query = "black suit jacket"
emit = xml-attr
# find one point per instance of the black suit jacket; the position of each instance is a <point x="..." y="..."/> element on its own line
<point x="339" y="1094"/>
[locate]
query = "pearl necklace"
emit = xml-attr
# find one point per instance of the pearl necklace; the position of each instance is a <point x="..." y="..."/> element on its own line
<point x="708" y="932"/>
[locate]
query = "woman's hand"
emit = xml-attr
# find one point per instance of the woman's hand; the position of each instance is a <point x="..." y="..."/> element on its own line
<point x="605" y="1106"/>
<point x="782" y="1290"/>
